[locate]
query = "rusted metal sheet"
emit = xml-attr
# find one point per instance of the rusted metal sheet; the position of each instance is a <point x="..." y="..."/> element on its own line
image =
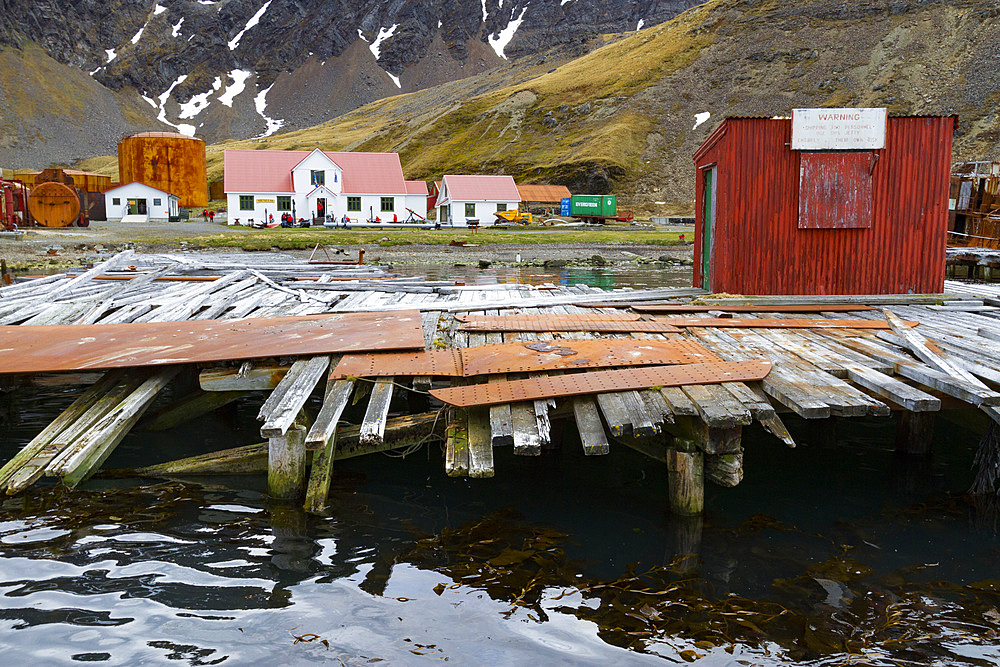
<point x="835" y="190"/>
<point x="758" y="248"/>
<point x="589" y="317"/>
<point x="523" y="357"/>
<point x="534" y="356"/>
<point x="599" y="382"/>
<point x="446" y="363"/>
<point x="796" y="308"/>
<point x="562" y="323"/>
<point x="32" y="349"/>
<point x="767" y="323"/>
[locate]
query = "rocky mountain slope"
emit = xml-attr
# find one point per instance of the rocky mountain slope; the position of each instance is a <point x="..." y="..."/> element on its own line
<point x="625" y="117"/>
<point x="242" y="68"/>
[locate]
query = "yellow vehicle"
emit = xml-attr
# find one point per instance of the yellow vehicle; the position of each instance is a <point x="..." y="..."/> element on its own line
<point x="519" y="217"/>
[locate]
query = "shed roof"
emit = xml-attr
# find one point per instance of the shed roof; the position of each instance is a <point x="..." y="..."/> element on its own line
<point x="271" y="171"/>
<point x="543" y="193"/>
<point x="416" y="188"/>
<point x="119" y="187"/>
<point x="479" y="188"/>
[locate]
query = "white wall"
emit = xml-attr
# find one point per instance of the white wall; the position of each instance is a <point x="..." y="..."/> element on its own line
<point x="484" y="212"/>
<point x="336" y="206"/>
<point x="318" y="161"/>
<point x="166" y="208"/>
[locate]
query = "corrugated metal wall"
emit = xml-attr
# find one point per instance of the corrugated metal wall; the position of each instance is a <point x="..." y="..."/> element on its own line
<point x="759" y="248"/>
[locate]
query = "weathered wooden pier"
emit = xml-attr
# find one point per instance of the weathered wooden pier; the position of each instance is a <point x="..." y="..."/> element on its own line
<point x="672" y="373"/>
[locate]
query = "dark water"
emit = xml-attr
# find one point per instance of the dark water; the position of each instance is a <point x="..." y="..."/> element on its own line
<point x="836" y="552"/>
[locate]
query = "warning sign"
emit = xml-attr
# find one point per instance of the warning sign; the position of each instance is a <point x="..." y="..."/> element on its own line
<point x="838" y="129"/>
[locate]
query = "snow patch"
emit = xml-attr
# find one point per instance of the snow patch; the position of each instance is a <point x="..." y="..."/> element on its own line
<point x="260" y="103"/>
<point x="484" y="11"/>
<point x="183" y="128"/>
<point x="111" y="54"/>
<point x="395" y="79"/>
<point x="96" y="71"/>
<point x="700" y="118"/>
<point x="206" y="2"/>
<point x="361" y="35"/>
<point x="177" y="28"/>
<point x="564" y="2"/>
<point x="199" y="102"/>
<point x="254" y="20"/>
<point x="158" y="9"/>
<point x="151" y="101"/>
<point x="383" y="35"/>
<point x="500" y="42"/>
<point x="639" y="25"/>
<point x="439" y="23"/>
<point x="239" y="83"/>
<point x="138" y="35"/>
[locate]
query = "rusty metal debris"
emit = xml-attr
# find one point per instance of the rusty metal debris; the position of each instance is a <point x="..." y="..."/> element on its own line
<point x="796" y="308"/>
<point x="33" y="349"/>
<point x="589" y="317"/>
<point x="564" y="323"/>
<point x="446" y="363"/>
<point x="599" y="382"/>
<point x="567" y="354"/>
<point x="765" y="323"/>
<point x="522" y="358"/>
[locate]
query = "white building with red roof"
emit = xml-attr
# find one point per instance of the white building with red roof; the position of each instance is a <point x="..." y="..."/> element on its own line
<point x="316" y="184"/>
<point x="465" y="198"/>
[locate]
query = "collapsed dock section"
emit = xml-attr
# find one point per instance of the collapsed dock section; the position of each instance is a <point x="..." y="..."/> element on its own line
<point x="675" y="374"/>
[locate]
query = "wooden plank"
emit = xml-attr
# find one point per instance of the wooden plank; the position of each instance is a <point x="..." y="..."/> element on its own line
<point x="615" y="413"/>
<point x="297" y="387"/>
<point x="717" y="407"/>
<point x="679" y="403"/>
<point x="286" y="464"/>
<point x="480" y="445"/>
<point x="758" y="406"/>
<point x="500" y="419"/>
<point x="324" y="428"/>
<point x="724" y="469"/>
<point x="890" y="388"/>
<point x="686" y="482"/>
<point x="588" y="423"/>
<point x="771" y="323"/>
<point x="527" y="441"/>
<point x="596" y="382"/>
<point x="251" y="376"/>
<point x="78" y="407"/>
<point x="373" y="424"/>
<point x="98" y="443"/>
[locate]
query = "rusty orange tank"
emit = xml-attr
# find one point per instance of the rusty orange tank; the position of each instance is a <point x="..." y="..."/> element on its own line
<point x="54" y="204"/>
<point x="168" y="161"/>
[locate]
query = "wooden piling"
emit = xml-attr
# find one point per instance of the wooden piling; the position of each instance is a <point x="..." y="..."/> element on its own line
<point x="286" y="464"/>
<point x="686" y="482"/>
<point x="914" y="432"/>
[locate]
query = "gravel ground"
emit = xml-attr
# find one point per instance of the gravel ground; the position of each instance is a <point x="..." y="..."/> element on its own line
<point x="45" y="248"/>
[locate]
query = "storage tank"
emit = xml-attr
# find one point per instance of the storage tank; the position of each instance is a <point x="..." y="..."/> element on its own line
<point x="55" y="201"/>
<point x="167" y="161"/>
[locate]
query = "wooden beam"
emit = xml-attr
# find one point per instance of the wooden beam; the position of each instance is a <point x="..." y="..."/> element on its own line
<point x="588" y="423"/>
<point x="480" y="444"/>
<point x="286" y="464"/>
<point x="686" y="482"/>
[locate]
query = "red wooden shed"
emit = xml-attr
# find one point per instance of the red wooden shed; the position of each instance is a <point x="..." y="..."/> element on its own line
<point x="773" y="219"/>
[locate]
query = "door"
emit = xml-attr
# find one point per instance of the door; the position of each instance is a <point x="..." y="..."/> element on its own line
<point x="708" y="176"/>
<point x="141" y="207"/>
<point x="321" y="208"/>
<point x="133" y="207"/>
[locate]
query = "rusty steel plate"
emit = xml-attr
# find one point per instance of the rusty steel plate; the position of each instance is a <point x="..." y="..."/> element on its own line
<point x="589" y="317"/>
<point x="765" y="323"/>
<point x="564" y="323"/>
<point x="599" y="382"/>
<point x="33" y="349"/>
<point x="387" y="364"/>
<point x="524" y="357"/>
<point x="796" y="308"/>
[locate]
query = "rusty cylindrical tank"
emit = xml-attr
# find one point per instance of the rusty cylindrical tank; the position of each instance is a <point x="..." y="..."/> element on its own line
<point x="168" y="161"/>
<point x="54" y="205"/>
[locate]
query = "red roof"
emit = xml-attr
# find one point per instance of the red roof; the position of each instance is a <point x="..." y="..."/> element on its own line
<point x="271" y="171"/>
<point x="550" y="194"/>
<point x="480" y="188"/>
<point x="416" y="188"/>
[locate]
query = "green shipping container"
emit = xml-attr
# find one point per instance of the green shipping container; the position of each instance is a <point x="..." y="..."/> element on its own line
<point x="598" y="206"/>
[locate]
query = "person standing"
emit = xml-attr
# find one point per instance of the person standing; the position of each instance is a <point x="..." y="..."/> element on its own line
<point x="211" y="216"/>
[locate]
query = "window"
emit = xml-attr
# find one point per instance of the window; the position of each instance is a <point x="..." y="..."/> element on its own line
<point x="354" y="203"/>
<point x="284" y="202"/>
<point x="157" y="202"/>
<point x="470" y="210"/>
<point x="317" y="177"/>
<point x="116" y="201"/>
<point x="246" y="202"/>
<point x="388" y="203"/>
<point x="501" y="207"/>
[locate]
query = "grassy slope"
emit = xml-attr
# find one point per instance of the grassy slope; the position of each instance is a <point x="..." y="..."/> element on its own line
<point x="627" y="108"/>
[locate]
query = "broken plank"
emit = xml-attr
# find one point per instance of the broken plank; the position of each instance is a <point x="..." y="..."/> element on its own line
<point x="324" y="428"/>
<point x="293" y="392"/>
<point x="456" y="446"/>
<point x="588" y="423"/>
<point x="480" y="445"/>
<point x="373" y="424"/>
